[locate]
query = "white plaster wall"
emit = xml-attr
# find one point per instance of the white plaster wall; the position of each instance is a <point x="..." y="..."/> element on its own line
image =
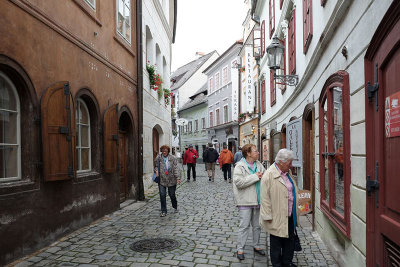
<point x="155" y="112"/>
<point x="355" y="31"/>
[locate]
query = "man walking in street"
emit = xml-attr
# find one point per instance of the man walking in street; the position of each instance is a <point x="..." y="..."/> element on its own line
<point x="190" y="159"/>
<point x="210" y="158"/>
<point x="226" y="158"/>
<point x="238" y="156"/>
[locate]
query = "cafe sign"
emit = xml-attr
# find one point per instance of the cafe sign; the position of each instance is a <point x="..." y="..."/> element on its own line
<point x="304" y="205"/>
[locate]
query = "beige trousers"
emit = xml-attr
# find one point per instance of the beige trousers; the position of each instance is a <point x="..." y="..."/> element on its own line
<point x="210" y="170"/>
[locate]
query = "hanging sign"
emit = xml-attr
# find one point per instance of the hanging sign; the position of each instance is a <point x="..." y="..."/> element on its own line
<point x="294" y="141"/>
<point x="392" y="115"/>
<point x="304" y="205"/>
<point x="235" y="91"/>
<point x="249" y="83"/>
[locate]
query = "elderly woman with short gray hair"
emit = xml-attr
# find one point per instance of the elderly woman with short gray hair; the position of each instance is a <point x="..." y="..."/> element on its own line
<point x="279" y="212"/>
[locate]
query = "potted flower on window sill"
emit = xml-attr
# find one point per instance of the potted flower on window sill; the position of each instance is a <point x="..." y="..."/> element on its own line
<point x="151" y="70"/>
<point x="242" y="117"/>
<point x="242" y="69"/>
<point x="167" y="96"/>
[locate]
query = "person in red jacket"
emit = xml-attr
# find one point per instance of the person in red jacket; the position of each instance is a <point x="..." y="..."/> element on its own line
<point x="190" y="159"/>
<point x="226" y="158"/>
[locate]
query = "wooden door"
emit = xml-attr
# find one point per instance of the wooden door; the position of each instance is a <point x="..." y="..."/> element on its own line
<point x="123" y="157"/>
<point x="382" y="67"/>
<point x="156" y="143"/>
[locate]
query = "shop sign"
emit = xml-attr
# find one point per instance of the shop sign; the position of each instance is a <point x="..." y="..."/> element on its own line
<point x="249" y="84"/>
<point x="294" y="141"/>
<point x="235" y="91"/>
<point x="392" y="115"/>
<point x="305" y="201"/>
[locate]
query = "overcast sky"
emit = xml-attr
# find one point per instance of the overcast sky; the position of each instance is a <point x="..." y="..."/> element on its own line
<point x="205" y="26"/>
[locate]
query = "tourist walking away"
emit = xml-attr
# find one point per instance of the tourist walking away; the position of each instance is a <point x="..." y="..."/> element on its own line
<point x="246" y="190"/>
<point x="238" y="156"/>
<point x="166" y="167"/>
<point x="210" y="158"/>
<point x="190" y="159"/>
<point x="279" y="212"/>
<point x="226" y="160"/>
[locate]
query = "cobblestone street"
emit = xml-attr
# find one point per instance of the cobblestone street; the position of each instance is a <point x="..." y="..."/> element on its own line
<point x="205" y="228"/>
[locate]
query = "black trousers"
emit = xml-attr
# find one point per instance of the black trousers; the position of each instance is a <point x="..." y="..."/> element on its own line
<point x="281" y="248"/>
<point x="193" y="167"/>
<point x="226" y="168"/>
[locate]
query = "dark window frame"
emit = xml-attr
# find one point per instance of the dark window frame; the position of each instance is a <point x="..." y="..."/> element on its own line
<point x="271" y="18"/>
<point x="342" y="222"/>
<point x="307" y="24"/>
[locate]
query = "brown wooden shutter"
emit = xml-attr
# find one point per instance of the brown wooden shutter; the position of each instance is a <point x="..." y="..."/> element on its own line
<point x="292" y="43"/>
<point x="58" y="133"/>
<point x="262" y="38"/>
<point x="263" y="100"/>
<point x="111" y="139"/>
<point x="307" y="24"/>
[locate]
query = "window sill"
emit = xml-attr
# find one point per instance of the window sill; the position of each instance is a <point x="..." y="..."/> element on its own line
<point x="12" y="187"/>
<point x="82" y="177"/>
<point x="90" y="12"/>
<point x="336" y="219"/>
<point x="124" y="44"/>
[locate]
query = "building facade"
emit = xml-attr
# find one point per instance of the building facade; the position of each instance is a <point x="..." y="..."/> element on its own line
<point x="223" y="99"/>
<point x="70" y="119"/>
<point x="158" y="33"/>
<point x="345" y="55"/>
<point x="186" y="81"/>
<point x="249" y="84"/>
<point x="194" y="130"/>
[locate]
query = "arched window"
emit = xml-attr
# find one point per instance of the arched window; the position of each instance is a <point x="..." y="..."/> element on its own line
<point x="83" y="145"/>
<point x="10" y="138"/>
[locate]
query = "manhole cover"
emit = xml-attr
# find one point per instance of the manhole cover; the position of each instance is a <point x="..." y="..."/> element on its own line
<point x="155" y="245"/>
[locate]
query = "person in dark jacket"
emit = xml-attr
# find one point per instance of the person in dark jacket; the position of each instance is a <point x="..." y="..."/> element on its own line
<point x="169" y="178"/>
<point x="238" y="156"/>
<point x="190" y="159"/>
<point x="210" y="158"/>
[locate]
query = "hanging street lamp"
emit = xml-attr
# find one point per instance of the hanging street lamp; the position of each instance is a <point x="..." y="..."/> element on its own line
<point x="274" y="59"/>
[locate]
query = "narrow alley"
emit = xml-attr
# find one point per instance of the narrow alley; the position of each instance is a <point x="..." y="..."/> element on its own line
<point x="202" y="233"/>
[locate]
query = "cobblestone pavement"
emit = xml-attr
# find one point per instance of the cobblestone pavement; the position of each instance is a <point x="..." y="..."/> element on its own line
<point x="205" y="228"/>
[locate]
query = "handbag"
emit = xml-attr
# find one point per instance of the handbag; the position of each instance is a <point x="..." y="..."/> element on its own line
<point x="156" y="179"/>
<point x="297" y="245"/>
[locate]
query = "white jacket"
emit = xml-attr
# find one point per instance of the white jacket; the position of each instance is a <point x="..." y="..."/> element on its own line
<point x="244" y="184"/>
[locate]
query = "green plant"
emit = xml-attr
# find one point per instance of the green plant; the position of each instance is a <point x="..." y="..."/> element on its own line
<point x="151" y="69"/>
<point x="167" y="96"/>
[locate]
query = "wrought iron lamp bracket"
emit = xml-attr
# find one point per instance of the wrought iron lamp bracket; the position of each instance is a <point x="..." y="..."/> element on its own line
<point x="291" y="80"/>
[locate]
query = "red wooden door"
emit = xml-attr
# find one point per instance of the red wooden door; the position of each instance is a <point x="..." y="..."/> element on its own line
<point x="382" y="66"/>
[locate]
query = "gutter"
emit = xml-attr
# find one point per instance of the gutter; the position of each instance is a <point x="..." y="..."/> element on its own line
<point x="140" y="98"/>
<point x="175" y="19"/>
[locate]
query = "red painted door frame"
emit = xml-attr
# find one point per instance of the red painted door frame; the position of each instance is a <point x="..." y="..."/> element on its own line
<point x="385" y="44"/>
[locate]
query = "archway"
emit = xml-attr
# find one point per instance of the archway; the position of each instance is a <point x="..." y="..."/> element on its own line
<point x="129" y="181"/>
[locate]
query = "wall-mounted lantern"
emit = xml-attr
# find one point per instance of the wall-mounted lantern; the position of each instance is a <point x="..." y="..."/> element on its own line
<point x="274" y="59"/>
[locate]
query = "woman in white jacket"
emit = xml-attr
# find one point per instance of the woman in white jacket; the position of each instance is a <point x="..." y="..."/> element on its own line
<point x="246" y="189"/>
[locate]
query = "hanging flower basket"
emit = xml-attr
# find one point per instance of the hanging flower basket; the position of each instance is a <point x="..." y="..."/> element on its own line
<point x="151" y="69"/>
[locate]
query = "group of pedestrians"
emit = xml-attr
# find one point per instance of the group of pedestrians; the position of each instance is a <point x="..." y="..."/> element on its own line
<point x="266" y="199"/>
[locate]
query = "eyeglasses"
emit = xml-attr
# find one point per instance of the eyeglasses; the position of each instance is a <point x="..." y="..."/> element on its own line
<point x="255" y="151"/>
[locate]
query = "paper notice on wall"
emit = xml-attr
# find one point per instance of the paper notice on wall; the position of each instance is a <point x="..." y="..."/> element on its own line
<point x="392" y="115"/>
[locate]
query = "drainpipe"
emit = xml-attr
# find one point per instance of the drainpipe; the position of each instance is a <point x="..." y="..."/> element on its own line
<point x="259" y="146"/>
<point x="140" y="97"/>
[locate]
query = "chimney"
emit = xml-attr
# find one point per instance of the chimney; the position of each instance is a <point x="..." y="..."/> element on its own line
<point x="199" y="54"/>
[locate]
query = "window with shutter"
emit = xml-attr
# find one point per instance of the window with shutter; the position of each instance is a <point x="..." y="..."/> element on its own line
<point x="292" y="43"/>
<point x="271" y="17"/>
<point x="323" y="2"/>
<point x="111" y="139"/>
<point x="263" y="100"/>
<point x="272" y="88"/>
<point x="307" y="24"/>
<point x="280" y="4"/>
<point x="58" y="133"/>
